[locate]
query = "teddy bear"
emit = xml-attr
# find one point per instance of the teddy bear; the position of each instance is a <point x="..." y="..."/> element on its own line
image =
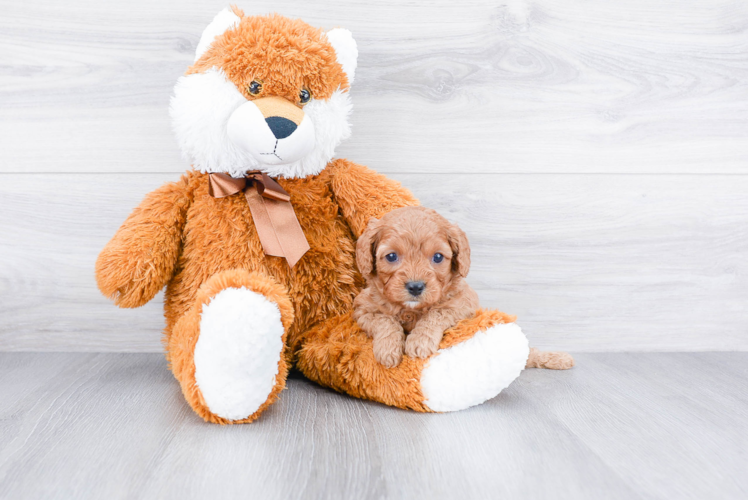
<point x="256" y="243"/>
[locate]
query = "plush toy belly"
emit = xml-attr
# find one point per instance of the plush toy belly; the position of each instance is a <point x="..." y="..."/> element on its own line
<point x="220" y="235"/>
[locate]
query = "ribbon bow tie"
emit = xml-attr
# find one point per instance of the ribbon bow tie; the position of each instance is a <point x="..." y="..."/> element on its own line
<point x="277" y="226"/>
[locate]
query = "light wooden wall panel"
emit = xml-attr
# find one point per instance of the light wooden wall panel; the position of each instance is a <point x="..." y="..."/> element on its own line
<point x="595" y="153"/>
<point x="480" y="86"/>
<point x="588" y="263"/>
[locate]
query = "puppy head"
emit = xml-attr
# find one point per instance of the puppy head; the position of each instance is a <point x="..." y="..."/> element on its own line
<point x="412" y="255"/>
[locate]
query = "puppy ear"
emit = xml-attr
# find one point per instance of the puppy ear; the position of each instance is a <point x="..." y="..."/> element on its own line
<point x="460" y="250"/>
<point x="366" y="248"/>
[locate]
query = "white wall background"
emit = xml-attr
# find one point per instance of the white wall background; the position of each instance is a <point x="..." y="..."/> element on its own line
<point x="594" y="151"/>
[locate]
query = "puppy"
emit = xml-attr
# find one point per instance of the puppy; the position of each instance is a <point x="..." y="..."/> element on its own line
<point x="414" y="262"/>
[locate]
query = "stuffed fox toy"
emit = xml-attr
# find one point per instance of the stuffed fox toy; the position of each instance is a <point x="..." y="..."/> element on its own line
<point x="256" y="244"/>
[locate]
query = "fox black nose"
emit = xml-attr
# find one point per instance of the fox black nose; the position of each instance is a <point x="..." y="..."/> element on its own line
<point x="415" y="288"/>
<point x="281" y="127"/>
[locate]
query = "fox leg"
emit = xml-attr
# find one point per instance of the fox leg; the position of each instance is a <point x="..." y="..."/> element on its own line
<point x="476" y="360"/>
<point x="228" y="350"/>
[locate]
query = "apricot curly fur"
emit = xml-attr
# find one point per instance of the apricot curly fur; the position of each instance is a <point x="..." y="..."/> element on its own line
<point x="386" y="309"/>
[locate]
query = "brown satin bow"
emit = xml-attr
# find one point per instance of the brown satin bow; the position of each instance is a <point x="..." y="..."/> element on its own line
<point x="277" y="226"/>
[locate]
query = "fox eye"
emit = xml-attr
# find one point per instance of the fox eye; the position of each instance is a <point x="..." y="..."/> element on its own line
<point x="255" y="87"/>
<point x="437" y="258"/>
<point x="391" y="257"/>
<point x="305" y="96"/>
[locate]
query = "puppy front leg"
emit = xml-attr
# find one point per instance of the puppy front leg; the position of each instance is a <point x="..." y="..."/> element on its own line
<point x="387" y="336"/>
<point x="424" y="339"/>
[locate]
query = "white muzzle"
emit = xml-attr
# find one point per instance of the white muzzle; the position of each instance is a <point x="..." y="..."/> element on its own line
<point x="273" y="130"/>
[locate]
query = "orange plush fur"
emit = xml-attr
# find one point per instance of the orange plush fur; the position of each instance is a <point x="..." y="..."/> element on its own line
<point x="338" y="354"/>
<point x="216" y="235"/>
<point x="198" y="246"/>
<point x="293" y="56"/>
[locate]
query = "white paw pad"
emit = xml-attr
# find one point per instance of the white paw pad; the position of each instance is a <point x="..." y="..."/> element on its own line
<point x="476" y="370"/>
<point x="237" y="354"/>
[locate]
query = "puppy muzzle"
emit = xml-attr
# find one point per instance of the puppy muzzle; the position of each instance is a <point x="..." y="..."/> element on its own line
<point x="272" y="129"/>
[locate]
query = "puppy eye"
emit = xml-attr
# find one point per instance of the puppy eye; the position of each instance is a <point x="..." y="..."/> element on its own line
<point x="305" y="96"/>
<point x="255" y="87"/>
<point x="391" y="257"/>
<point x="437" y="258"/>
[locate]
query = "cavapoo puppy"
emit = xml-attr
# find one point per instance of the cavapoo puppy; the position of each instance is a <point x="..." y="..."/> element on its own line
<point x="415" y="262"/>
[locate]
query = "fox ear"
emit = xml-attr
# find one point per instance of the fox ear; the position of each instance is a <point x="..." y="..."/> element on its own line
<point x="345" y="49"/>
<point x="225" y="19"/>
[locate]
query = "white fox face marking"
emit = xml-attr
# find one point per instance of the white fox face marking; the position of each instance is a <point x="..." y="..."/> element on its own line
<point x="242" y="106"/>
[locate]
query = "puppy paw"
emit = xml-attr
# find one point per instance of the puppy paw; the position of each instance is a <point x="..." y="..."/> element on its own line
<point x="388" y="350"/>
<point x="421" y="345"/>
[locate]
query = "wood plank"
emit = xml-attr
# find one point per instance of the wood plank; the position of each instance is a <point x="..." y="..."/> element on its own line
<point x="82" y="417"/>
<point x="650" y="426"/>
<point x="53" y="228"/>
<point x="589" y="263"/>
<point x="520" y="86"/>
<point x="684" y="417"/>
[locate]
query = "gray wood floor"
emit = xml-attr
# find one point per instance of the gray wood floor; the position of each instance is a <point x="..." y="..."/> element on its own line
<point x="83" y="425"/>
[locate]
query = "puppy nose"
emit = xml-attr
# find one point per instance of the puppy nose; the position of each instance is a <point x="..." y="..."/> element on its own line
<point x="415" y="288"/>
<point x="281" y="127"/>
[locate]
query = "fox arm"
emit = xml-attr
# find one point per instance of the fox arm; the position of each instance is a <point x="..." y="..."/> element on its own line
<point x="141" y="257"/>
<point x="461" y="305"/>
<point x="362" y="194"/>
